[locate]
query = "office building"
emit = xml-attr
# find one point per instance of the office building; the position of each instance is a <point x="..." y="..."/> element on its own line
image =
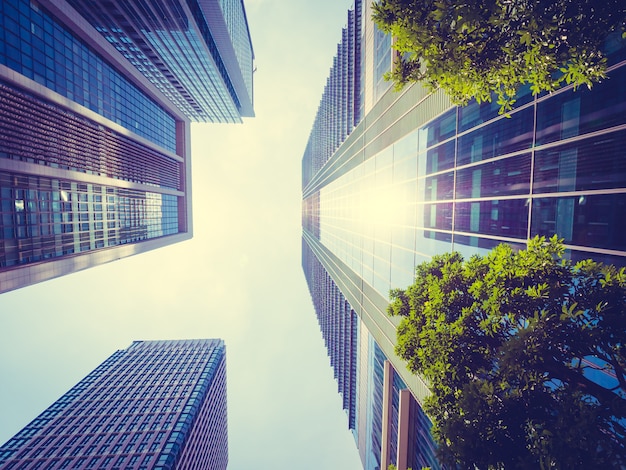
<point x="96" y="100"/>
<point x="417" y="176"/>
<point x="153" y="405"/>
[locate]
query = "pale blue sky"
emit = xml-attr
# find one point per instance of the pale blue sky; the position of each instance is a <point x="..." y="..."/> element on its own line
<point x="239" y="279"/>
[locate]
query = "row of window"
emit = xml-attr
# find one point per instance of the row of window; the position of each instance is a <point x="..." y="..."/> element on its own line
<point x="42" y="218"/>
<point x="33" y="44"/>
<point x="339" y="326"/>
<point x="433" y="188"/>
<point x="36" y="132"/>
<point x="153" y="31"/>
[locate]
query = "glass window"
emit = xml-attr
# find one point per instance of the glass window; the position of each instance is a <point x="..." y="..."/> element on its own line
<point x="441" y="157"/>
<point x="504" y="177"/>
<point x="32" y="52"/>
<point x="586" y="220"/>
<point x="26" y="214"/>
<point x="504" y="217"/>
<point x="594" y="163"/>
<point x="572" y="113"/>
<point x="475" y="114"/>
<point x="438" y="216"/>
<point x="498" y="138"/>
<point x="439" y="129"/>
<point x="439" y="187"/>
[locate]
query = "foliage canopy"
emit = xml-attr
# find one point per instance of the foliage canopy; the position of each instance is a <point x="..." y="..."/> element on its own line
<point x="472" y="48"/>
<point x="512" y="345"/>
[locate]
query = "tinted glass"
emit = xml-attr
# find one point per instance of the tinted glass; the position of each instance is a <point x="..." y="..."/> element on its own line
<point x="594" y="163"/>
<point x="595" y="220"/>
<point x="504" y="177"/>
<point x="572" y="113"/>
<point x="500" y="137"/>
<point x="505" y="217"/>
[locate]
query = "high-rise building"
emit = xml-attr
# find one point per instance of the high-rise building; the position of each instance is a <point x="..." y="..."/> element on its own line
<point x="96" y="100"/>
<point x="153" y="405"/>
<point x="417" y="176"/>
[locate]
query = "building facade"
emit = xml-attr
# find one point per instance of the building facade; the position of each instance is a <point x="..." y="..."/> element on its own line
<point x="418" y="176"/>
<point x="96" y="100"/>
<point x="153" y="405"/>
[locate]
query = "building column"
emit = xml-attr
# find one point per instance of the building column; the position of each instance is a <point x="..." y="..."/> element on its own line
<point x="404" y="414"/>
<point x="385" y="458"/>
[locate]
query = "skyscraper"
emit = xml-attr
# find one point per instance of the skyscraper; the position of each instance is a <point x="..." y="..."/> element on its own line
<point x="96" y="100"/>
<point x="417" y="176"/>
<point x="153" y="405"/>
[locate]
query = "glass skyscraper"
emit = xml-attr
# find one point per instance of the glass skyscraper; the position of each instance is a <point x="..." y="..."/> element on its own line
<point x="96" y="100"/>
<point x="416" y="176"/>
<point x="153" y="405"/>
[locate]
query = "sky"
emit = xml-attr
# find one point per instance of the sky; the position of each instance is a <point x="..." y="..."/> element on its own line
<point x="239" y="278"/>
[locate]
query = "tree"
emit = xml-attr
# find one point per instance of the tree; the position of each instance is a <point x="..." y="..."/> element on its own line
<point x="512" y="345"/>
<point x="472" y="48"/>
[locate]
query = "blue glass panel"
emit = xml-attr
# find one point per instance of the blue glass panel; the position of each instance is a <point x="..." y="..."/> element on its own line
<point x="504" y="177"/>
<point x="573" y="113"/>
<point x="438" y="216"/>
<point x="579" y="255"/>
<point x="422" y="448"/>
<point x="375" y="414"/>
<point x="594" y="163"/>
<point x="441" y="157"/>
<point x="475" y="114"/>
<point x="500" y="137"/>
<point x="593" y="220"/>
<point x="504" y="217"/>
<point x="33" y="229"/>
<point x="439" y="187"/>
<point x="439" y="129"/>
<point x="33" y="52"/>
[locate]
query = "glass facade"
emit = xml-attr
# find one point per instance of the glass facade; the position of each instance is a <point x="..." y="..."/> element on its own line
<point x="419" y="177"/>
<point x="36" y="131"/>
<point x="340" y="329"/>
<point x="359" y="367"/>
<point x="43" y="218"/>
<point x="154" y="405"/>
<point x="236" y="22"/>
<point x="422" y="446"/>
<point x="166" y="46"/>
<point x="339" y="108"/>
<point x="382" y="62"/>
<point x="102" y="123"/>
<point x="37" y="46"/>
<point x="440" y="189"/>
<point x="376" y="363"/>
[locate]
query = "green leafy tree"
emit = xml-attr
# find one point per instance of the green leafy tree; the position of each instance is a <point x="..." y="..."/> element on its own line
<point x="511" y="344"/>
<point x="472" y="48"/>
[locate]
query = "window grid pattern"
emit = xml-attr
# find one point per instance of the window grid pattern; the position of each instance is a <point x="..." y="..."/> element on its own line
<point x="161" y="42"/>
<point x="200" y="453"/>
<point x="382" y="62"/>
<point x="339" y="326"/>
<point x="43" y="218"/>
<point x="235" y="17"/>
<point x="376" y="366"/>
<point x="339" y="109"/>
<point x="33" y="44"/>
<point x="552" y="167"/>
<point x="38" y="132"/>
<point x="134" y="411"/>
